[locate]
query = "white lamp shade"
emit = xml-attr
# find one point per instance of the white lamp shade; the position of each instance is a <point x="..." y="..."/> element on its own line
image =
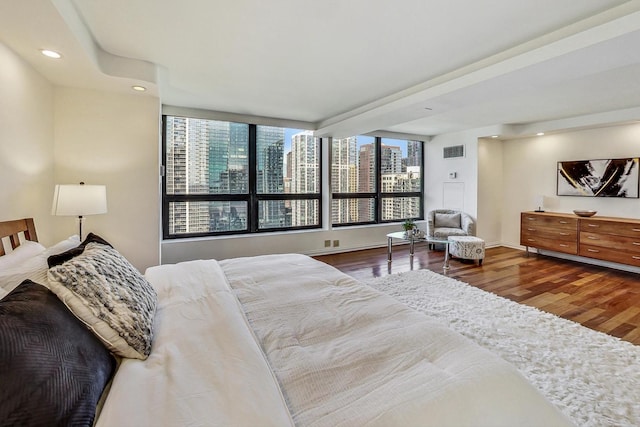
<point x="79" y="200"/>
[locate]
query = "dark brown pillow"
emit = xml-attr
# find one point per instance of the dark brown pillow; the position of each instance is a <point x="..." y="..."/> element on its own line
<point x="53" y="370"/>
<point x="65" y="256"/>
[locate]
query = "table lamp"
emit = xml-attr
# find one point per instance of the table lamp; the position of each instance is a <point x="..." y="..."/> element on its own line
<point x="79" y="200"/>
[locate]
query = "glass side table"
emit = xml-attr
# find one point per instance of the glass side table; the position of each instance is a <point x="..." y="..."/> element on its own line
<point x="401" y="235"/>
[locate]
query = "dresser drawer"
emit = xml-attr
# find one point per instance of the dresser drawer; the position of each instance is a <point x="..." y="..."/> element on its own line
<point x="544" y="231"/>
<point x="611" y="241"/>
<point x="613" y="255"/>
<point x="556" y="222"/>
<point x="567" y="247"/>
<point x="620" y="228"/>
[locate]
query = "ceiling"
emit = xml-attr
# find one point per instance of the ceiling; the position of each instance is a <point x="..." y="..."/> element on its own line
<point x="415" y="67"/>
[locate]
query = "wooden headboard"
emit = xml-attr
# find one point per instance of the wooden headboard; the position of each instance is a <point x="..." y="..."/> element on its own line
<point x="12" y="230"/>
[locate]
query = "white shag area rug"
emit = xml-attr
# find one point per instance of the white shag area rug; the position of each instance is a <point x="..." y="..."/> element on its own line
<point x="592" y="377"/>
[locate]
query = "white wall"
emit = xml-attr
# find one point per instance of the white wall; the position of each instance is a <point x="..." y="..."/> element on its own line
<point x="26" y="144"/>
<point x="112" y="139"/>
<point x="530" y="170"/>
<point x="437" y="171"/>
<point x="460" y="192"/>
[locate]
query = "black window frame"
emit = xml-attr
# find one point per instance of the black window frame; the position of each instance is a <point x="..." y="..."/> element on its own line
<point x="378" y="195"/>
<point x="252" y="198"/>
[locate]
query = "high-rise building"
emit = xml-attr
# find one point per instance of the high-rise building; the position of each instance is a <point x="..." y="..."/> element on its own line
<point x="344" y="179"/>
<point x="206" y="157"/>
<point x="305" y="176"/>
<point x="270" y="179"/>
<point x="391" y="172"/>
<point x="366" y="181"/>
<point x="414" y="153"/>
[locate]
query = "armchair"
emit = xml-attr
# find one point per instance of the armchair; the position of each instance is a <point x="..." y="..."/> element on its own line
<point x="442" y="223"/>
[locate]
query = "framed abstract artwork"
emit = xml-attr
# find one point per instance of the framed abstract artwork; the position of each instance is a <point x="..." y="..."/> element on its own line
<point x="599" y="178"/>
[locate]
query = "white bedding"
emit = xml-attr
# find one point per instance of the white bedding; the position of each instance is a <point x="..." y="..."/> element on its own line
<point x="205" y="368"/>
<point x="311" y="346"/>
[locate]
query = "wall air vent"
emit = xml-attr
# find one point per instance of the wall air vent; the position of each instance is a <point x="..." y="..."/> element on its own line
<point x="453" y="151"/>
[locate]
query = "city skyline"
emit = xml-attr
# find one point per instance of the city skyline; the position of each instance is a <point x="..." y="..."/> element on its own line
<point x="212" y="157"/>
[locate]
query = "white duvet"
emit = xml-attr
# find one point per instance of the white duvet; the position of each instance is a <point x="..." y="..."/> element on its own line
<point x="284" y="339"/>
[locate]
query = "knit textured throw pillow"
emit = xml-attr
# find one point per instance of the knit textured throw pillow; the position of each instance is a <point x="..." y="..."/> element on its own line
<point x="108" y="294"/>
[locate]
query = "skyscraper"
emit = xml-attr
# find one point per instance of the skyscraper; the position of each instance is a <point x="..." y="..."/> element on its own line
<point x="366" y="181"/>
<point x="305" y="177"/>
<point x="344" y="179"/>
<point x="270" y="179"/>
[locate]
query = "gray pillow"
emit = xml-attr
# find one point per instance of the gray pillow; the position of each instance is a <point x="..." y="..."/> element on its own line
<point x="451" y="220"/>
<point x="110" y="296"/>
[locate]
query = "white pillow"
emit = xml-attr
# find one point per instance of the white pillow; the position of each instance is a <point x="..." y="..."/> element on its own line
<point x="35" y="267"/>
<point x="26" y="250"/>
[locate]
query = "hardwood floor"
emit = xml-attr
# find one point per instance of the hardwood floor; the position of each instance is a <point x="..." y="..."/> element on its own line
<point x="600" y="298"/>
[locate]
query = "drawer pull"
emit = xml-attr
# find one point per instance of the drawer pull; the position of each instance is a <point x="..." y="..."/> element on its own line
<point x="531" y="240"/>
<point x="564" y="234"/>
<point x="635" y="229"/>
<point x="562" y="245"/>
<point x="531" y="219"/>
<point x="635" y="257"/>
<point x="593" y="250"/>
<point x="531" y="229"/>
<point x="592" y="238"/>
<point x="563" y="222"/>
<point x="636" y="243"/>
<point x="595" y="225"/>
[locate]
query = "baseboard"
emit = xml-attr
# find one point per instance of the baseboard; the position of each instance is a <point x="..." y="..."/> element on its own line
<point x="578" y="258"/>
<point x="532" y="251"/>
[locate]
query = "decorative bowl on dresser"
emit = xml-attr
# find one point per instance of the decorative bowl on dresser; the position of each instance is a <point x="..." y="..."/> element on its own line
<point x="604" y="238"/>
<point x="584" y="213"/>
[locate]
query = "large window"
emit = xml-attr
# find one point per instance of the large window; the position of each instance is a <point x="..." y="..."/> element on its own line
<point x="375" y="180"/>
<point x="224" y="177"/>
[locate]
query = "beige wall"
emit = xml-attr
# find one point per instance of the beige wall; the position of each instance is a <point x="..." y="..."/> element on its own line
<point x="112" y="139"/>
<point x="26" y="144"/>
<point x="490" y="194"/>
<point x="52" y="135"/>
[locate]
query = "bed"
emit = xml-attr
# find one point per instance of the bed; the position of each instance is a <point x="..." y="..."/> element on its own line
<point x="275" y="340"/>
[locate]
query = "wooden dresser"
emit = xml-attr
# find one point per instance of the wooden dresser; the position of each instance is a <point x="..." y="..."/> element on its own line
<point x="603" y="238"/>
<point x="547" y="230"/>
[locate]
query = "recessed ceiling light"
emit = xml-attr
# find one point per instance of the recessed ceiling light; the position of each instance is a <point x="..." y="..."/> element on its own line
<point x="540" y="133"/>
<point x="51" y="53"/>
<point x="139" y="88"/>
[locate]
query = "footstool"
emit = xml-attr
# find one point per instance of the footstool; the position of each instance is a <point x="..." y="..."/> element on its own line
<point x="467" y="247"/>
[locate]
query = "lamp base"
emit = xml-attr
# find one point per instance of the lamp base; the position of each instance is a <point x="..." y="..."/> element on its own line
<point x="80" y="221"/>
<point x="539" y="210"/>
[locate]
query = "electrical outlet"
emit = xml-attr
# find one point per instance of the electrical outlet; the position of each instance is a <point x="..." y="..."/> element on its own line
<point x="336" y="243"/>
<point x="327" y="243"/>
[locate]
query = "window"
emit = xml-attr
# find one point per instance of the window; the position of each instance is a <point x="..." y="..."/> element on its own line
<point x="224" y="177"/>
<point x="375" y="180"/>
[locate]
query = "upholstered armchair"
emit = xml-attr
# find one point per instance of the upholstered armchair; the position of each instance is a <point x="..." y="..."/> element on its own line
<point x="442" y="223"/>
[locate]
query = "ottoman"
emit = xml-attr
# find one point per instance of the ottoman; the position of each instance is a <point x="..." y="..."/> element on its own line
<point x="467" y="247"/>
